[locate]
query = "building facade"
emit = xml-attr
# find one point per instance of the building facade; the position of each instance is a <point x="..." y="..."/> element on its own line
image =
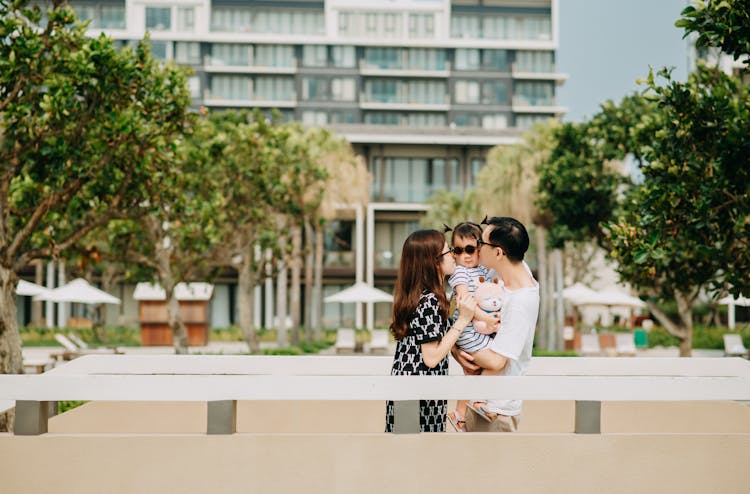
<point x="421" y="88"/>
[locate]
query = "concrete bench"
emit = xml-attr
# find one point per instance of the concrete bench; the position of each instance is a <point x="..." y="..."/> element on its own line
<point x="223" y="380"/>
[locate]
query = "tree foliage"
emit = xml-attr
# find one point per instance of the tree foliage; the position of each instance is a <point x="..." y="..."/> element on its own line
<point x="83" y="128"/>
<point x="723" y="24"/>
<point x="687" y="227"/>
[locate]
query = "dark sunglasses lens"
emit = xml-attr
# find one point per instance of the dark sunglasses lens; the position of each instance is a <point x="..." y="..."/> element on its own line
<point x="470" y="249"/>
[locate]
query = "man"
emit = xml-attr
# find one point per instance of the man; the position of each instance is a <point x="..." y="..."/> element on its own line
<point x="501" y="249"/>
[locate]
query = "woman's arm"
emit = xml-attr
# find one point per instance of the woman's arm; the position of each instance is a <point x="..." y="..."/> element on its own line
<point x="435" y="351"/>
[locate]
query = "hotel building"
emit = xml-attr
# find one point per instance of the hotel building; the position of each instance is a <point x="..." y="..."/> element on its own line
<point x="421" y="88"/>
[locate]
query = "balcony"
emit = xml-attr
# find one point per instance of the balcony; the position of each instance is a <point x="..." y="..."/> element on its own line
<point x="370" y="69"/>
<point x="399" y="102"/>
<point x="218" y="66"/>
<point x="525" y="104"/>
<point x="533" y="73"/>
<point x="254" y="101"/>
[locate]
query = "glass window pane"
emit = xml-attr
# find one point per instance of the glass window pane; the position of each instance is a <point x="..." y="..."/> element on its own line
<point x="159" y="18"/>
<point x="315" y="55"/>
<point x="343" y="56"/>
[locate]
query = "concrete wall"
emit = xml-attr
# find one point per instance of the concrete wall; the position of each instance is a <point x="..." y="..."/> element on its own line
<point x="374" y="463"/>
<point x="332" y="447"/>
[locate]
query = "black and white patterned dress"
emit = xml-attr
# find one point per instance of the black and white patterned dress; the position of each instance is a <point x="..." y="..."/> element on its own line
<point x="426" y="325"/>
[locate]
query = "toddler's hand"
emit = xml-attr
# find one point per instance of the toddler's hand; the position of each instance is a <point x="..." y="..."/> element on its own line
<point x="466" y="306"/>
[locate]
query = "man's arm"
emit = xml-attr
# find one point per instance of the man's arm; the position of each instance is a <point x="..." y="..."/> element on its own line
<point x="466" y="361"/>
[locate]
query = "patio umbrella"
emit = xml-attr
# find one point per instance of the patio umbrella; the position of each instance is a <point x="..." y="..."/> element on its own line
<point x="360" y="292"/>
<point x="78" y="291"/>
<point x="29" y="289"/>
<point x="576" y="292"/>
<point x="612" y="298"/>
<point x="731" y="303"/>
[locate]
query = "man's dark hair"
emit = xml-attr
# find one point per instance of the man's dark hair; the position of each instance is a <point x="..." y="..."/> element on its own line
<point x="511" y="235"/>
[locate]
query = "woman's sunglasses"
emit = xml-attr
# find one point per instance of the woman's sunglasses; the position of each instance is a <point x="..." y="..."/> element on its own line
<point x="469" y="249"/>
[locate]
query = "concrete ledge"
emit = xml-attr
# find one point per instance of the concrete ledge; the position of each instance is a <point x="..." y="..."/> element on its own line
<point x="375" y="463"/>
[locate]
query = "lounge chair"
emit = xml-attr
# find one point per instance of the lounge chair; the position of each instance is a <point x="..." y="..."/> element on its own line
<point x="590" y="344"/>
<point x="733" y="346"/>
<point x="72" y="350"/>
<point x="625" y="344"/>
<point x="345" y="340"/>
<point x="378" y="340"/>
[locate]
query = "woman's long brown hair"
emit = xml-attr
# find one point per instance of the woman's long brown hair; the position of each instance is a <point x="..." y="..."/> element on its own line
<point x="418" y="272"/>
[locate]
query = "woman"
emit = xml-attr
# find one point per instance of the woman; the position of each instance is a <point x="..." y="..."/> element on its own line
<point x="420" y="319"/>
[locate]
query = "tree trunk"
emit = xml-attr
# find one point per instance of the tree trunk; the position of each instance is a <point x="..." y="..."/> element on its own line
<point x="281" y="298"/>
<point x="295" y="292"/>
<point x="317" y="300"/>
<point x="11" y="360"/>
<point x="179" y="332"/>
<point x="245" y="299"/>
<point x="309" y="253"/>
<point x="549" y="290"/>
<point x="544" y="323"/>
<point x="682" y="331"/>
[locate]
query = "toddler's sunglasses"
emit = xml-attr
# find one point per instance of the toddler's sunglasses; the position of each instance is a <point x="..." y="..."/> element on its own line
<point x="470" y="249"/>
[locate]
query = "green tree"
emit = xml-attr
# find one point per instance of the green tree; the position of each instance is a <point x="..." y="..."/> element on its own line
<point x="686" y="229"/>
<point x="723" y="24"/>
<point x="172" y="240"/>
<point x="83" y="128"/>
<point x="347" y="185"/>
<point x="252" y="159"/>
<point x="450" y="208"/>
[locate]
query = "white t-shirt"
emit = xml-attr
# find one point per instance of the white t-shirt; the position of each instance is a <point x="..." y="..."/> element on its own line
<point x="515" y="338"/>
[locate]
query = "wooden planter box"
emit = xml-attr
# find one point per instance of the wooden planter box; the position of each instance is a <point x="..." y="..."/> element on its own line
<point x="155" y="330"/>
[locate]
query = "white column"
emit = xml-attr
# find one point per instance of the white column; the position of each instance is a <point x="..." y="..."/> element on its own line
<point x="359" y="228"/>
<point x="62" y="308"/>
<point x="370" y="262"/>
<point x="257" y="293"/>
<point x="560" y="308"/>
<point x="730" y="315"/>
<point x="269" y="290"/>
<point x="49" y="307"/>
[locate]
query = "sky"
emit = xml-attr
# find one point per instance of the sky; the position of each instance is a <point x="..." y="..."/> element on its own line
<point x="606" y="45"/>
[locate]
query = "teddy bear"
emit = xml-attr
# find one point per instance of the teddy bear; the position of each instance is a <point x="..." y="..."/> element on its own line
<point x="489" y="297"/>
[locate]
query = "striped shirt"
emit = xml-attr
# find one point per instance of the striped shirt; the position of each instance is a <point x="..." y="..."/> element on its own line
<point x="469" y="341"/>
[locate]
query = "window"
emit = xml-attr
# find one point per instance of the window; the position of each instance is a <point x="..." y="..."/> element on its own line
<point x="315" y="88"/>
<point x="499" y="121"/>
<point x="467" y="92"/>
<point x="160" y="50"/>
<point x="276" y="21"/>
<point x="185" y="19"/>
<point x="194" y="85"/>
<point x="526" y="121"/>
<point x="467" y="120"/>
<point x="467" y="59"/>
<point x="274" y="89"/>
<point x="384" y="58"/>
<point x="495" y="93"/>
<point x="343" y="89"/>
<point x="314" y="118"/>
<point x="411" y="179"/>
<point x="159" y="18"/>
<point x="113" y="17"/>
<point x="281" y="56"/>
<point x="342" y="117"/>
<point x="382" y="91"/>
<point x="236" y="88"/>
<point x="534" y="93"/>
<point x="343" y="56"/>
<point x="425" y="59"/>
<point x="226" y="54"/>
<point x="421" y="26"/>
<point x="187" y="53"/>
<point x="315" y="55"/>
<point x="495" y="60"/>
<point x="534" y="61"/>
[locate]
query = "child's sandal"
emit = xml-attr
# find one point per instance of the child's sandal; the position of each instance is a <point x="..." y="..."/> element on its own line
<point x="458" y="422"/>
